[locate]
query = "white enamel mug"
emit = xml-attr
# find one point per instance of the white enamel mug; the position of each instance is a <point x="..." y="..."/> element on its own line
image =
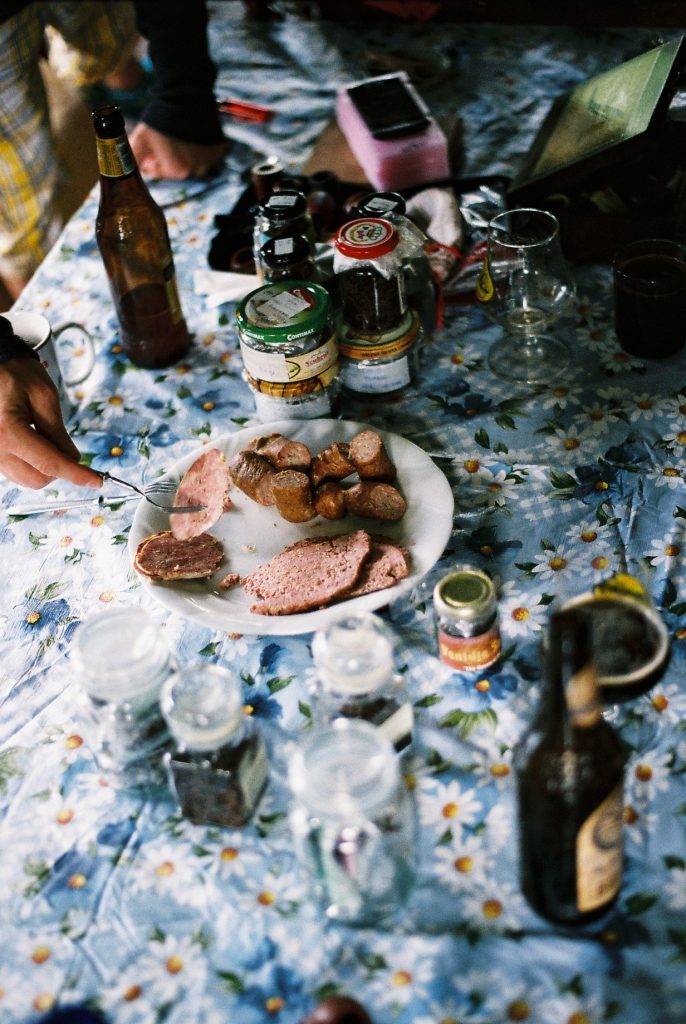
<point x="66" y="352"/>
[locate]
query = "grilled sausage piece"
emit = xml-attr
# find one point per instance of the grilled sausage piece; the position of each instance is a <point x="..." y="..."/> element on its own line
<point x="332" y="463"/>
<point x="370" y="458"/>
<point x="292" y="493"/>
<point x="253" y="475"/>
<point x="281" y="452"/>
<point x="374" y="500"/>
<point x="329" y="500"/>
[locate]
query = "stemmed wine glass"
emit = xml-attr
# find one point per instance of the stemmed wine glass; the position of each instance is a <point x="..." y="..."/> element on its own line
<point x="525" y="285"/>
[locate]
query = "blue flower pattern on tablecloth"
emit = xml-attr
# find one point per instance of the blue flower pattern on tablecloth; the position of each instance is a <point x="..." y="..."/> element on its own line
<point x="118" y="902"/>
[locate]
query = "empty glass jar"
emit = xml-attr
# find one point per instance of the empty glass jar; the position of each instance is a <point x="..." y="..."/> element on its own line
<point x="122" y="660"/>
<point x="353" y="822"/>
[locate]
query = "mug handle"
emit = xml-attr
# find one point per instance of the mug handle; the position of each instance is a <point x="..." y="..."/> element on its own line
<point x="88" y="341"/>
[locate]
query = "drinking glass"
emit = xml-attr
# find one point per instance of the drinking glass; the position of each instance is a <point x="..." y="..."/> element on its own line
<point x="525" y="286"/>
<point x="650" y="297"/>
<point x="631" y="650"/>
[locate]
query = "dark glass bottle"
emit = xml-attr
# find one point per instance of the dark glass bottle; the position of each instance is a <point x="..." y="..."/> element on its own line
<point x="570" y="771"/>
<point x="131" y="232"/>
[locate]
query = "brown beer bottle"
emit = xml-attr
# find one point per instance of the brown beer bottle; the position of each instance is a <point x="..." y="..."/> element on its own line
<point x="131" y="232"/>
<point x="570" y="773"/>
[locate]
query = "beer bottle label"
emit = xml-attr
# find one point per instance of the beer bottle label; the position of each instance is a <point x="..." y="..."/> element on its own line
<point x="599" y="854"/>
<point x="115" y="159"/>
<point x="171" y="288"/>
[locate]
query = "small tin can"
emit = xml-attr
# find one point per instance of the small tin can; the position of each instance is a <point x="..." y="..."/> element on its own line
<point x="467" y="620"/>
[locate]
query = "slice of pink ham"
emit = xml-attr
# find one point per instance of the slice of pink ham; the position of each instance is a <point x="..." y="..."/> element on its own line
<point x="206" y="483"/>
<point x="387" y="564"/>
<point x="161" y="556"/>
<point x="308" y="574"/>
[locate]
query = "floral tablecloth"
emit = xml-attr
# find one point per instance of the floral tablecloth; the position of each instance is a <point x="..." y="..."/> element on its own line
<point x="119" y="903"/>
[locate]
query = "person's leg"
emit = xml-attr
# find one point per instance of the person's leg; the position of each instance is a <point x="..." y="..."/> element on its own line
<point x="29" y="166"/>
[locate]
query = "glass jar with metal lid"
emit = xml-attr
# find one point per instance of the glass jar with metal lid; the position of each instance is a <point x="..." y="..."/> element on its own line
<point x="382" y="364"/>
<point x="218" y="770"/>
<point x="353" y="821"/>
<point x="369" y="273"/>
<point x="284" y="214"/>
<point x="419" y="281"/>
<point x="466" y="609"/>
<point x="122" y="660"/>
<point x="289" y="350"/>
<point x="356" y="677"/>
<point x="286" y="259"/>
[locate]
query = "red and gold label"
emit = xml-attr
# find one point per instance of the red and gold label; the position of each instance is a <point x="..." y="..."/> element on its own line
<point x="469" y="653"/>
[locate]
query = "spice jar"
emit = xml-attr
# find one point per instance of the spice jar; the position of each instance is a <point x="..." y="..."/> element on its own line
<point x="419" y="282"/>
<point x="467" y="619"/>
<point x="122" y="660"/>
<point x="353" y="821"/>
<point x="218" y="770"/>
<point x="356" y="677"/>
<point x="383" y="364"/>
<point x="283" y="215"/>
<point x="289" y="350"/>
<point x="369" y="274"/>
<point x="286" y="259"/>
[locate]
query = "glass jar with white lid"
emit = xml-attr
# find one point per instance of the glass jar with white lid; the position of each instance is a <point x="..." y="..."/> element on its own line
<point x="353" y="822"/>
<point x="122" y="659"/>
<point x="356" y="677"/>
<point x="218" y="769"/>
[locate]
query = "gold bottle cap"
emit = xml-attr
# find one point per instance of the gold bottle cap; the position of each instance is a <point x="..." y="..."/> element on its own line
<point x="466" y="593"/>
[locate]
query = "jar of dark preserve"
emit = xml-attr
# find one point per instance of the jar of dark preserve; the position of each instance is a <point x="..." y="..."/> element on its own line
<point x="286" y="259"/>
<point x="369" y="273"/>
<point x="419" y="281"/>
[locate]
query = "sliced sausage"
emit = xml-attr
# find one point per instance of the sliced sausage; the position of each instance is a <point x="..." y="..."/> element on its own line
<point x="253" y="475"/>
<point x="162" y="557"/>
<point x="370" y="458"/>
<point x="333" y="463"/>
<point x="281" y="452"/>
<point x="329" y="500"/>
<point x="292" y="492"/>
<point x="206" y="483"/>
<point x="375" y="501"/>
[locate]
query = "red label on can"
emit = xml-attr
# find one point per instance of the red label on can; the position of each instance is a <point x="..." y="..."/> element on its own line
<point x="469" y="653"/>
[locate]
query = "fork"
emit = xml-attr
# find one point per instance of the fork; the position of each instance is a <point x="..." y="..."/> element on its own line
<point x="162" y="487"/>
<point x="102" y="500"/>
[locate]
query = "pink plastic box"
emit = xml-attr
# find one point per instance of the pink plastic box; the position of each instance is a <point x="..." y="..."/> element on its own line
<point x="397" y="163"/>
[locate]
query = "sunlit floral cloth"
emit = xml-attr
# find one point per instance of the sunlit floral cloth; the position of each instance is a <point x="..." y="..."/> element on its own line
<point x="122" y="905"/>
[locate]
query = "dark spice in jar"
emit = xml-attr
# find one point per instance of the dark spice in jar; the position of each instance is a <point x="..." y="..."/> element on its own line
<point x="286" y="259"/>
<point x="369" y="273"/>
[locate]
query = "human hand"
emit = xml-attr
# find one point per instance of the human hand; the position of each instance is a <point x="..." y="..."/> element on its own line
<point x="161" y="156"/>
<point x="35" y="447"/>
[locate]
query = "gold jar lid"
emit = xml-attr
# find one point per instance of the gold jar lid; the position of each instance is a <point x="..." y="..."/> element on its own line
<point x="465" y="594"/>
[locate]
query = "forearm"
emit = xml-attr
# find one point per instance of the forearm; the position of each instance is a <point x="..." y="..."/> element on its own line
<point x="182" y="101"/>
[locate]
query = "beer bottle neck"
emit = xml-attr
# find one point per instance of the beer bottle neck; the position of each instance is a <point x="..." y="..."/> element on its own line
<point x="115" y="157"/>
<point x="571" y="672"/>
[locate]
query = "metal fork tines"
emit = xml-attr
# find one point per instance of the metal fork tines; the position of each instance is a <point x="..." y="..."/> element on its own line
<point x="162" y="487"/>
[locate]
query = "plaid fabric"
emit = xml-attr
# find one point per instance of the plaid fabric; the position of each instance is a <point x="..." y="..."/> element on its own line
<point x="86" y="41"/>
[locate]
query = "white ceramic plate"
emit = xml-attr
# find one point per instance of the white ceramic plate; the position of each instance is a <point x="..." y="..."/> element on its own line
<point x="252" y="534"/>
